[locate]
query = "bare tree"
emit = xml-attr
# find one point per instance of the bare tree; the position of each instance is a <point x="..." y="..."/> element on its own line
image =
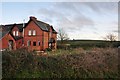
<point x="110" y="37"/>
<point x="62" y="35"/>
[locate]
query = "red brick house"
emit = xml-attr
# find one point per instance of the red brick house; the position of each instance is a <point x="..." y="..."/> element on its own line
<point x="6" y="41"/>
<point x="34" y="35"/>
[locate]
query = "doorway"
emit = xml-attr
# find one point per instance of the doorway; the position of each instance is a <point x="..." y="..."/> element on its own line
<point x="10" y="44"/>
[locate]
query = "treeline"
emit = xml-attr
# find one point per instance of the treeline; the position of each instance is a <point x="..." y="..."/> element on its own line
<point x="87" y="44"/>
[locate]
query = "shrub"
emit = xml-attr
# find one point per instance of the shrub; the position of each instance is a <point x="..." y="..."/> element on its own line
<point x="75" y="63"/>
<point x="48" y="49"/>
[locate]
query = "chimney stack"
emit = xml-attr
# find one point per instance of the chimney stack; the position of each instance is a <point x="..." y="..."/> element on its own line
<point x="33" y="18"/>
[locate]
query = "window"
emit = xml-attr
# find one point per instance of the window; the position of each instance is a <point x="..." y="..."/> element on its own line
<point x="29" y="32"/>
<point x="38" y="43"/>
<point x="28" y="43"/>
<point x="50" y="34"/>
<point x="22" y="41"/>
<point x="14" y="33"/>
<point x="34" y="32"/>
<point x="34" y="43"/>
<point x="50" y="44"/>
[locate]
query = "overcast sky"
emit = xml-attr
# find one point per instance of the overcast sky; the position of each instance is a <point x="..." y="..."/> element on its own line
<point x="80" y="20"/>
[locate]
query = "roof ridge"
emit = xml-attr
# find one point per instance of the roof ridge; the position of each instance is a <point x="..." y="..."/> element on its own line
<point x="21" y="23"/>
<point x="8" y="24"/>
<point x="13" y="24"/>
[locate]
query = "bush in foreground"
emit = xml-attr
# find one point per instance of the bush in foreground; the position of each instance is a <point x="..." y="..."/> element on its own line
<point x="75" y="63"/>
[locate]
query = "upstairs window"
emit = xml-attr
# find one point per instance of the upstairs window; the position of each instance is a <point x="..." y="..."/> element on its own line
<point x="29" y="32"/>
<point x="34" y="32"/>
<point x="14" y="33"/>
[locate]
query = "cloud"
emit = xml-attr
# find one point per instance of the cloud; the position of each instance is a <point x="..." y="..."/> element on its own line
<point x="76" y="23"/>
<point x="66" y="15"/>
<point x="86" y="17"/>
<point x="101" y="7"/>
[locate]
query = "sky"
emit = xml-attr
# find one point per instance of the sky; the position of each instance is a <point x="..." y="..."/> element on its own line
<point x="80" y="20"/>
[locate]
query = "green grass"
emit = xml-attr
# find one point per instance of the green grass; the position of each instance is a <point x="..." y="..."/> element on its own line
<point x="88" y="44"/>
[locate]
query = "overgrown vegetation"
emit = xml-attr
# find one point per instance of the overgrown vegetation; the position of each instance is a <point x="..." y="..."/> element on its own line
<point x="74" y="63"/>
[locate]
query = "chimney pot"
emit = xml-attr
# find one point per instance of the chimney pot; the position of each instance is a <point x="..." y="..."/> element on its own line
<point x="32" y="17"/>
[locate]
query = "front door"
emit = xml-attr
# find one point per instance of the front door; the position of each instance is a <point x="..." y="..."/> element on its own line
<point x="10" y="44"/>
<point x="50" y="45"/>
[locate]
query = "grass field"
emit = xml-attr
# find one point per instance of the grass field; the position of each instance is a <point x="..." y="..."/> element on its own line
<point x="73" y="63"/>
<point x="88" y="44"/>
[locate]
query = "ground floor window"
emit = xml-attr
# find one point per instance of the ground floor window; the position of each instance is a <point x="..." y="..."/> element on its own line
<point x="38" y="43"/>
<point x="34" y="43"/>
<point x="50" y="44"/>
<point x="10" y="44"/>
<point x="28" y="43"/>
<point x="22" y="41"/>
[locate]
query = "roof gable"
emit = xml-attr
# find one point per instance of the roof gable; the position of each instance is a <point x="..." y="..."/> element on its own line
<point x="2" y="34"/>
<point x="20" y="26"/>
<point x="53" y="30"/>
<point x="9" y="27"/>
<point x="42" y="25"/>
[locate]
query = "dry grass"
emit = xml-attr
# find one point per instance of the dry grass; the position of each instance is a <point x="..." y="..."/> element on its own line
<point x="97" y="60"/>
<point x="74" y="63"/>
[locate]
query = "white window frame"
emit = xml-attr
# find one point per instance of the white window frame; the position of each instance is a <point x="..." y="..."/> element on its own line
<point x="38" y="43"/>
<point x="50" y="34"/>
<point x="34" y="32"/>
<point x="30" y="32"/>
<point x="28" y="43"/>
<point x="14" y="33"/>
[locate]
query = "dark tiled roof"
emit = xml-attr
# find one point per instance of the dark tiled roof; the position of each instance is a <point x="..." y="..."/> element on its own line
<point x="53" y="30"/>
<point x="20" y="26"/>
<point x="8" y="27"/>
<point x="3" y="33"/>
<point x="17" y="37"/>
<point x="42" y="25"/>
<point x="4" y="30"/>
